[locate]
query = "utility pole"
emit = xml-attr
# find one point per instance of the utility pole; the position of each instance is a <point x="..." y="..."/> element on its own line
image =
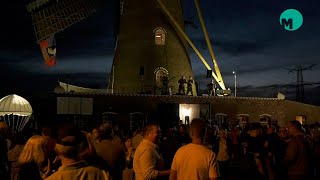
<point x="300" y="84"/>
<point x="235" y="83"/>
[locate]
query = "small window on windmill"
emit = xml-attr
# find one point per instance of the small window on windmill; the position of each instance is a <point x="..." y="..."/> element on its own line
<point x="159" y="36"/>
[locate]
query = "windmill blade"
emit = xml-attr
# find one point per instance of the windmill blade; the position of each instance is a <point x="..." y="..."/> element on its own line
<point x="52" y="16"/>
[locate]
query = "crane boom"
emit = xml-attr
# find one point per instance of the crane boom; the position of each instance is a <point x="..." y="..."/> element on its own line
<point x="205" y="32"/>
<point x="181" y="32"/>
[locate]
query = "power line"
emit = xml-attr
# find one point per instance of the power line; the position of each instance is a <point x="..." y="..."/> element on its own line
<point x="300" y="83"/>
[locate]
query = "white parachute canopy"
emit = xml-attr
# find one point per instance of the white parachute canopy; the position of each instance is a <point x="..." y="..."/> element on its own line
<point x="15" y="111"/>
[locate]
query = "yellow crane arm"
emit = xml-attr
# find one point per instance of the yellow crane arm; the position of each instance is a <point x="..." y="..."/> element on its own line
<point x="184" y="35"/>
<point x="205" y="32"/>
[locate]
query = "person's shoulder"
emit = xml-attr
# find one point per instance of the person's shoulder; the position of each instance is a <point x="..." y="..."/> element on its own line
<point x="205" y="151"/>
<point x="182" y="148"/>
<point x="142" y="147"/>
<point x="53" y="176"/>
<point x="187" y="148"/>
<point x="92" y="169"/>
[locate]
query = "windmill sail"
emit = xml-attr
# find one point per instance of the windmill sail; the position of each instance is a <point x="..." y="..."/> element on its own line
<point x="48" y="50"/>
<point x="52" y="16"/>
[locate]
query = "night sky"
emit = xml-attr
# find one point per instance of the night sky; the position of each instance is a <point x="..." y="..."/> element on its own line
<point x="246" y="37"/>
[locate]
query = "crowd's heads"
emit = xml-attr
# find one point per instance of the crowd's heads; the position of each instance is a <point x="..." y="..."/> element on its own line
<point x="183" y="128"/>
<point x="294" y="127"/>
<point x="282" y="132"/>
<point x="70" y="142"/>
<point x="152" y="132"/>
<point x="271" y="130"/>
<point x="35" y="150"/>
<point x="96" y="133"/>
<point x="223" y="133"/>
<point x="19" y="138"/>
<point x="197" y="129"/>
<point x="106" y="131"/>
<point x="3" y="128"/>
<point x="46" y="131"/>
<point x="127" y="140"/>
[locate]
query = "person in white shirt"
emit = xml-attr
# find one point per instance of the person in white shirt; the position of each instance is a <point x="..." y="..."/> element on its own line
<point x="194" y="161"/>
<point x="147" y="161"/>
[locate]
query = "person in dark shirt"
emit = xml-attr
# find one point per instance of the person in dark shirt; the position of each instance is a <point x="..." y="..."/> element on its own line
<point x="182" y="82"/>
<point x="255" y="149"/>
<point x="298" y="153"/>
<point x="183" y="137"/>
<point x="3" y="152"/>
<point x="189" y="86"/>
<point x="280" y="152"/>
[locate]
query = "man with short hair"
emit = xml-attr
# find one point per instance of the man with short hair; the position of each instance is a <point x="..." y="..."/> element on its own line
<point x="68" y="148"/>
<point x="194" y="161"/>
<point x="280" y="152"/>
<point x="110" y="151"/>
<point x="147" y="161"/>
<point x="297" y="155"/>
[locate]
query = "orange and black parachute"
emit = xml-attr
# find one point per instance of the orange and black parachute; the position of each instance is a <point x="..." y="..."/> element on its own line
<point x="48" y="50"/>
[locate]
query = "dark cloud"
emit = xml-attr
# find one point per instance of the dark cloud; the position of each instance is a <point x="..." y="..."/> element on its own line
<point x="234" y="47"/>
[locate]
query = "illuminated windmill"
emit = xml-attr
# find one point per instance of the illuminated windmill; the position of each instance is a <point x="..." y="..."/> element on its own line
<point x="53" y="16"/>
<point x="151" y="44"/>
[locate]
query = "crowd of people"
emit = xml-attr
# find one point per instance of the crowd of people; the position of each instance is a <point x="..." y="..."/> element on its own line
<point x="195" y="151"/>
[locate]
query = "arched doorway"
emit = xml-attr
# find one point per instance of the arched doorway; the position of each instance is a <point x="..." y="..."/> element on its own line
<point x="162" y="81"/>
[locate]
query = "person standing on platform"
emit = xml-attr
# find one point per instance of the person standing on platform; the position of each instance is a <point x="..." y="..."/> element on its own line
<point x="165" y="86"/>
<point x="189" y="87"/>
<point x="182" y="83"/>
<point x="211" y="88"/>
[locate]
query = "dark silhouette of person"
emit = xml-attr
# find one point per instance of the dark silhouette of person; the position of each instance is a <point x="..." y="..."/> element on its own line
<point x="165" y="86"/>
<point x="182" y="82"/>
<point x="189" y="87"/>
<point x="211" y="88"/>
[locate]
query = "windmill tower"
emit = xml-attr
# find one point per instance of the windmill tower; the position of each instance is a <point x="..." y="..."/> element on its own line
<point x="148" y="48"/>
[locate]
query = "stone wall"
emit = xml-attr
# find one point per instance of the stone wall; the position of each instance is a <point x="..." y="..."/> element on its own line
<point x="166" y="108"/>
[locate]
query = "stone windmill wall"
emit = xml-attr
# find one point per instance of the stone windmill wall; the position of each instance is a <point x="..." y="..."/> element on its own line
<point x="148" y="45"/>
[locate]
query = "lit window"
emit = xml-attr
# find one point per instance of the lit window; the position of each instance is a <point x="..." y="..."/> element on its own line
<point x="160" y="36"/>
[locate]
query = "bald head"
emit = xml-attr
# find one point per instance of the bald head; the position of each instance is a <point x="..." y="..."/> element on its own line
<point x="197" y="129"/>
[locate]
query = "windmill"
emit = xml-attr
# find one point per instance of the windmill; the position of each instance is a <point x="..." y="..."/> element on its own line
<point x="151" y="44"/>
<point x="150" y="41"/>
